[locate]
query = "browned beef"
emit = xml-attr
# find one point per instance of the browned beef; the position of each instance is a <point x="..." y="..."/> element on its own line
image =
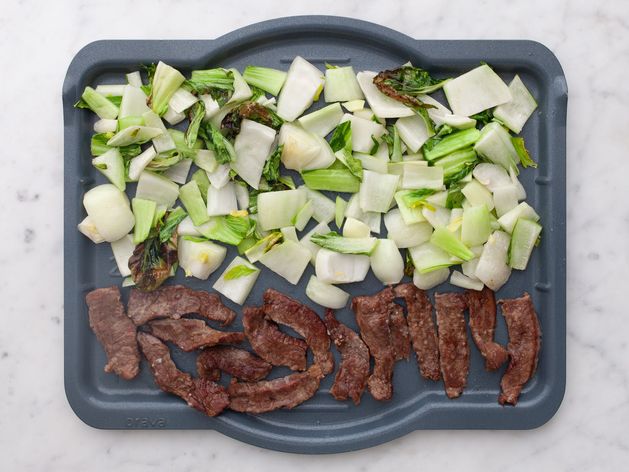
<point x="351" y="378"/>
<point x="400" y="337"/>
<point x="284" y="310"/>
<point x="114" y="331"/>
<point x="191" y="334"/>
<point x="374" y="320"/>
<point x="173" y="301"/>
<point x="422" y="329"/>
<point x="202" y="394"/>
<point x="269" y="395"/>
<point x="270" y="343"/>
<point x="234" y="361"/>
<point x="454" y="350"/>
<point x="482" y="308"/>
<point x="525" y="340"/>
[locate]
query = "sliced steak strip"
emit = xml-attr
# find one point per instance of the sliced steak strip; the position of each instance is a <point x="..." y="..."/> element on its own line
<point x="482" y="308"/>
<point x="174" y="301"/>
<point x="284" y="310"/>
<point x="422" y="329"/>
<point x="190" y="334"/>
<point x="454" y="350"/>
<point x="524" y="345"/>
<point x="373" y="318"/>
<point x="234" y="361"/>
<point x="270" y="343"/>
<point x="202" y="394"/>
<point x="114" y="331"/>
<point x="351" y="378"/>
<point x="269" y="395"/>
<point x="400" y="337"/>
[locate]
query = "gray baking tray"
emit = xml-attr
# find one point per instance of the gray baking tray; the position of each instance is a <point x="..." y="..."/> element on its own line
<point x="322" y="424"/>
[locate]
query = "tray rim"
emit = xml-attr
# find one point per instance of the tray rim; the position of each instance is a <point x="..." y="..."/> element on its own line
<point x="80" y="65"/>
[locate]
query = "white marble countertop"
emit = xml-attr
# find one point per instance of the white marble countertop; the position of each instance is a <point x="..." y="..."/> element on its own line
<point x="38" y="430"/>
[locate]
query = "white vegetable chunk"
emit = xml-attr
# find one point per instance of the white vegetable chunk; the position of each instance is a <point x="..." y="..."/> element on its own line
<point x="377" y="191"/>
<point x="321" y="228"/>
<point x="321" y="122"/>
<point x="158" y="188"/>
<point x="362" y="132"/>
<point x="252" y="146"/>
<point x="430" y="279"/>
<point x="382" y="106"/>
<point x="277" y="209"/>
<point x="491" y="176"/>
<point x="300" y="146"/>
<point x="515" y="113"/>
<point x="88" y="228"/>
<point x="242" y="91"/>
<point x="505" y="199"/>
<point x="123" y="250"/>
<point x="288" y="260"/>
<point x="492" y="268"/>
<point x="187" y="228"/>
<point x="325" y="294"/>
<point x="459" y="280"/>
<point x="476" y="91"/>
<point x="133" y="102"/>
<point x="413" y="131"/>
<point x="109" y="211"/>
<point x="354" y="228"/>
<point x="341" y="85"/>
<point x="221" y="201"/>
<point x="237" y="289"/>
<point x="386" y="262"/>
<point x="336" y="268"/>
<point x="523" y="210"/>
<point x="106" y="126"/>
<point x="199" y="258"/>
<point x="405" y="235"/>
<point x="303" y="84"/>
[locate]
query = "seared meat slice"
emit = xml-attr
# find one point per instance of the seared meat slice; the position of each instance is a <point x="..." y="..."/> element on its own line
<point x="270" y="343"/>
<point x="269" y="395"/>
<point x="351" y="378"/>
<point x="173" y="301"/>
<point x="191" y="334"/>
<point x="422" y="329"/>
<point x="236" y="362"/>
<point x="284" y="310"/>
<point x="400" y="337"/>
<point x="114" y="331"/>
<point x="202" y="394"/>
<point x="454" y="350"/>
<point x="482" y="308"/>
<point x="525" y="341"/>
<point x="373" y="318"/>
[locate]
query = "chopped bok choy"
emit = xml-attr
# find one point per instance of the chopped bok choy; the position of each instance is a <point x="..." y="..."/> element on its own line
<point x="325" y="294"/>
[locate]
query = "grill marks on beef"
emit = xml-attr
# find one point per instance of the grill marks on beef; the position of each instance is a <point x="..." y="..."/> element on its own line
<point x="114" y="331"/>
<point x="284" y="310"/>
<point x="269" y="395"/>
<point x="351" y="378"/>
<point x="422" y="329"/>
<point x="374" y="320"/>
<point x="234" y="361"/>
<point x="482" y="310"/>
<point x="454" y="350"/>
<point x="174" y="301"/>
<point x="524" y="345"/>
<point x="270" y="343"/>
<point x="202" y="394"/>
<point x="190" y="334"/>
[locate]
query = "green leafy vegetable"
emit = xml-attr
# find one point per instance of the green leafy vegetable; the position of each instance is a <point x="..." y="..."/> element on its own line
<point x="341" y="144"/>
<point x="271" y="170"/>
<point x="195" y="115"/>
<point x="252" y="111"/>
<point x="98" y="146"/>
<point x="239" y="271"/>
<point x="450" y="143"/>
<point x="483" y="117"/>
<point x="215" y="141"/>
<point x="523" y="153"/>
<point x="99" y="104"/>
<point x="218" y="83"/>
<point x="151" y="263"/>
<point x="336" y="180"/>
<point x="409" y="267"/>
<point x="173" y="218"/>
<point x="455" y="197"/>
<point x="227" y="229"/>
<point x="269" y="80"/>
<point x="417" y="198"/>
<point x="457" y="165"/>
<point x="165" y="82"/>
<point x="337" y="243"/>
<point x="406" y="83"/>
<point x="200" y="177"/>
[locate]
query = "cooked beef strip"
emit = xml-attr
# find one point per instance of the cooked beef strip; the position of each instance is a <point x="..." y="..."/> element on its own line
<point x="173" y="301"/>
<point x="190" y="334"/>
<point x="422" y="329"/>
<point x="270" y="343"/>
<point x="351" y="378"/>
<point x="114" y="331"/>
<point x="269" y="395"/>
<point x="454" y="350"/>
<point x="400" y="337"/>
<point x="234" y="361"/>
<point x="284" y="310"/>
<point x="202" y="394"/>
<point x="373" y="318"/>
<point x="482" y="309"/>
<point x="525" y="340"/>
